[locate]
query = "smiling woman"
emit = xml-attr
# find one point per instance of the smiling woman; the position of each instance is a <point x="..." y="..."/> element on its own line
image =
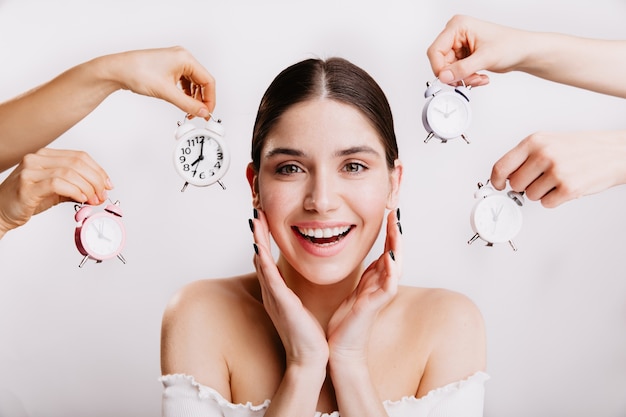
<point x="317" y="332"/>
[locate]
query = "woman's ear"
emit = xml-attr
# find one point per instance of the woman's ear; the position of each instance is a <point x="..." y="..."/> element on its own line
<point x="396" y="179"/>
<point x="253" y="180"/>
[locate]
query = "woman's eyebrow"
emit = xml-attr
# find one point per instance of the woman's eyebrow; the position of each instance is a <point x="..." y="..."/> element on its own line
<point x="356" y="149"/>
<point x="343" y="152"/>
<point x="284" y="151"/>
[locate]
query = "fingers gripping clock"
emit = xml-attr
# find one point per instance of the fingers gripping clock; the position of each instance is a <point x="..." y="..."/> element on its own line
<point x="201" y="156"/>
<point x="447" y="113"/>
<point x="496" y="217"/>
<point x="99" y="236"/>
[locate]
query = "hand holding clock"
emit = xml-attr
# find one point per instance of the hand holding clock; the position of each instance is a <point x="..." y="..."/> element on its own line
<point x="558" y="167"/>
<point x="171" y="74"/>
<point x="46" y="178"/>
<point x="467" y="45"/>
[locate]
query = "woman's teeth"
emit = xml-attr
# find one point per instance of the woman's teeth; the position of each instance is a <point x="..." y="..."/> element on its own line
<point x="324" y="233"/>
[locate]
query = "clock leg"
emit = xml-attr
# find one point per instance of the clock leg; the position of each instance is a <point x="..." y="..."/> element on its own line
<point x="83" y="261"/>
<point x="121" y="258"/>
<point x="465" y="139"/>
<point x="513" y="245"/>
<point x="429" y="137"/>
<point x="184" y="187"/>
<point x="222" y="185"/>
<point x="473" y="239"/>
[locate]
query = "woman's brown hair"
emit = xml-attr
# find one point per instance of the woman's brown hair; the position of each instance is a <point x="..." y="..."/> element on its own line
<point x="334" y="78"/>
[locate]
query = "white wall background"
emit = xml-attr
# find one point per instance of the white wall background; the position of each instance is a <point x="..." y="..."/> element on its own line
<point x="85" y="342"/>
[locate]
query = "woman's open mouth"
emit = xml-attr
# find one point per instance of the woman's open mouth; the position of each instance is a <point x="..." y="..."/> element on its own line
<point x="326" y="236"/>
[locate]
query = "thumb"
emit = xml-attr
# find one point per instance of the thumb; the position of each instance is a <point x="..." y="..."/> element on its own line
<point x="464" y="69"/>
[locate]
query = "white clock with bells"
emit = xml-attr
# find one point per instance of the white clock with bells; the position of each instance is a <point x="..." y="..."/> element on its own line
<point x="447" y="113"/>
<point x="497" y="216"/>
<point x="201" y="156"/>
<point x="99" y="236"/>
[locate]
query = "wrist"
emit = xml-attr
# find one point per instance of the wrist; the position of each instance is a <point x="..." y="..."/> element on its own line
<point x="349" y="372"/>
<point x="107" y="73"/>
<point x="535" y="52"/>
<point x="306" y="376"/>
<point x="3" y="229"/>
<point x="619" y="156"/>
<point x="352" y="362"/>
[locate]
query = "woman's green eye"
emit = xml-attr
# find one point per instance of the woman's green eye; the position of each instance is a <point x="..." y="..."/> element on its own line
<point x="289" y="169"/>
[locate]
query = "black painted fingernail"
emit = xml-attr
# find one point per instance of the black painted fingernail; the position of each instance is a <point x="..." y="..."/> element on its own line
<point x="256" y="248"/>
<point x="398" y="214"/>
<point x="251" y="225"/>
<point x="399" y="227"/>
<point x="393" y="257"/>
<point x="255" y="213"/>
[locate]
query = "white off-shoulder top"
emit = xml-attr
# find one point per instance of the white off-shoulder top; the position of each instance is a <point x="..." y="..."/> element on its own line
<point x="184" y="397"/>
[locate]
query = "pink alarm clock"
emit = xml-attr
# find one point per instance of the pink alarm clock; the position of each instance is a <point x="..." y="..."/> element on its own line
<point x="101" y="235"/>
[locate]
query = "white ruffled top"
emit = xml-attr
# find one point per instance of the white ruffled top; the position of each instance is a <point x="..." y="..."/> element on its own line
<point x="184" y="397"/>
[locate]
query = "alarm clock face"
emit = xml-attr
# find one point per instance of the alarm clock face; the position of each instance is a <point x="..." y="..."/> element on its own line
<point x="102" y="236"/>
<point x="448" y="115"/>
<point x="201" y="157"/>
<point x="496" y="218"/>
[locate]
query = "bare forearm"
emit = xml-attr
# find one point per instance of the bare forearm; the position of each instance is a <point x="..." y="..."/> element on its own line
<point x="298" y="392"/>
<point x="36" y="118"/>
<point x="592" y="64"/>
<point x="355" y="392"/>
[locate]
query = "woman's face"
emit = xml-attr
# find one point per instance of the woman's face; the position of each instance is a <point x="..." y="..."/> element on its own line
<point x="324" y="185"/>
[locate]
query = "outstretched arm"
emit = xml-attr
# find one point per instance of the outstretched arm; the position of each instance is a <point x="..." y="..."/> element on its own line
<point x="54" y="107"/>
<point x="468" y="45"/>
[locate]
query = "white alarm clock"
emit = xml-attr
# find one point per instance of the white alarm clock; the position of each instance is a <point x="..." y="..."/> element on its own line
<point x="201" y="156"/>
<point x="447" y="113"/>
<point x="497" y="216"/>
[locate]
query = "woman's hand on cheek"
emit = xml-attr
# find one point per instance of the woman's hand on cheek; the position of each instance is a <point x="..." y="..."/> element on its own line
<point x="302" y="336"/>
<point x="350" y="326"/>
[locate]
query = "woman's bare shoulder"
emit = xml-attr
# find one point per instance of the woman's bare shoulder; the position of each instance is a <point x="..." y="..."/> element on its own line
<point x="200" y="320"/>
<point x="208" y="293"/>
<point x="454" y="327"/>
<point x="432" y="302"/>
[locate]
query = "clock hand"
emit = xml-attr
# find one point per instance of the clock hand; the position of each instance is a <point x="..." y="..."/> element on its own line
<point x="97" y="227"/>
<point x="105" y="238"/>
<point x="200" y="157"/>
<point x="439" y="110"/>
<point x="496" y="214"/>
<point x="101" y="235"/>
<point x="446" y="115"/>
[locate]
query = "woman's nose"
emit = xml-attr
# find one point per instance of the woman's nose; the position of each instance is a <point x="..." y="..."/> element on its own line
<point x="321" y="195"/>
